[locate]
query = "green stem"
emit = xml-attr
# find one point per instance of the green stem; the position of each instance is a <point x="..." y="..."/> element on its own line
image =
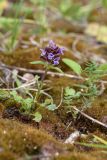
<point x="41" y="85"/>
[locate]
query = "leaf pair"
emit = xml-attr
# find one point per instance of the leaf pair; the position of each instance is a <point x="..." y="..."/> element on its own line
<point x="49" y="66"/>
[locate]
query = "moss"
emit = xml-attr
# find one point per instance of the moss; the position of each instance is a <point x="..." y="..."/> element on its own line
<point x="4" y="95"/>
<point x="2" y="107"/>
<point x="99" y="107"/>
<point x="48" y="116"/>
<point x="9" y="103"/>
<point x="52" y="123"/>
<point x="21" y="58"/>
<point x="6" y="155"/>
<point x="75" y="156"/>
<point x="20" y="138"/>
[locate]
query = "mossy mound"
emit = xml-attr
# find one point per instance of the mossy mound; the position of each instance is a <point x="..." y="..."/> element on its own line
<point x="99" y="107"/>
<point x="20" y="139"/>
<point x="5" y="155"/>
<point x="74" y="156"/>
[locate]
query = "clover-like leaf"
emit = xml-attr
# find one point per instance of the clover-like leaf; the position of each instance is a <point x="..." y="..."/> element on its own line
<point x="37" y="117"/>
<point x="69" y="91"/>
<point x="51" y="107"/>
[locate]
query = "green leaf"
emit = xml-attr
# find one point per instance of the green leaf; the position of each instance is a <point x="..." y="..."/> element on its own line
<point x="101" y="140"/>
<point x="73" y="65"/>
<point x="37" y="117"/>
<point x="56" y="68"/>
<point x="16" y="97"/>
<point x="38" y="62"/>
<point x="51" y="107"/>
<point x="92" y="145"/>
<point x="69" y="91"/>
<point x="27" y="104"/>
<point x="102" y="67"/>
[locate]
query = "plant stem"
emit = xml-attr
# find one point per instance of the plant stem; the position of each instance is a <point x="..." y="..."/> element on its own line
<point x="37" y="97"/>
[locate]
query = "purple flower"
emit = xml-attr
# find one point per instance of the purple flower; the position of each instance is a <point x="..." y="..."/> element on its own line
<point x="61" y="50"/>
<point x="56" y="61"/>
<point x="50" y="56"/>
<point x="52" y="53"/>
<point x="43" y="52"/>
<point x="52" y="44"/>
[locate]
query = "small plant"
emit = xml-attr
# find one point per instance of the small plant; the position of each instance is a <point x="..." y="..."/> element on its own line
<point x="26" y="104"/>
<point x="29" y="104"/>
<point x="90" y="88"/>
<point x="50" y="57"/>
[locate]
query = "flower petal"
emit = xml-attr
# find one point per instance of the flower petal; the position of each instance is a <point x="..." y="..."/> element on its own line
<point x="50" y="56"/>
<point x="52" y="44"/>
<point x="43" y="52"/>
<point x="56" y="61"/>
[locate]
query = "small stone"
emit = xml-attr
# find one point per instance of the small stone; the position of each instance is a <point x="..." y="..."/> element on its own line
<point x="28" y="77"/>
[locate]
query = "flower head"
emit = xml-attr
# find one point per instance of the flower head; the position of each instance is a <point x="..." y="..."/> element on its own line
<point x="52" y="53"/>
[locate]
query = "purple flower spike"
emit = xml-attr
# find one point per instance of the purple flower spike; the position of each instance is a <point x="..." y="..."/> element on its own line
<point x="52" y="53"/>
<point x="62" y="49"/>
<point x="50" y="56"/>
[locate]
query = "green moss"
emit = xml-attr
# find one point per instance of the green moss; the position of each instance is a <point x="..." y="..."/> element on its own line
<point x="48" y="116"/>
<point x="4" y="95"/>
<point x="2" y="107"/>
<point x="21" y="58"/>
<point x="6" y="155"/>
<point x="9" y="103"/>
<point x="75" y="156"/>
<point x="20" y="139"/>
<point x="99" y="107"/>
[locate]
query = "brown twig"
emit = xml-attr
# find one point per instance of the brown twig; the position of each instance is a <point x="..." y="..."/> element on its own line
<point x="89" y="117"/>
<point x="41" y="72"/>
